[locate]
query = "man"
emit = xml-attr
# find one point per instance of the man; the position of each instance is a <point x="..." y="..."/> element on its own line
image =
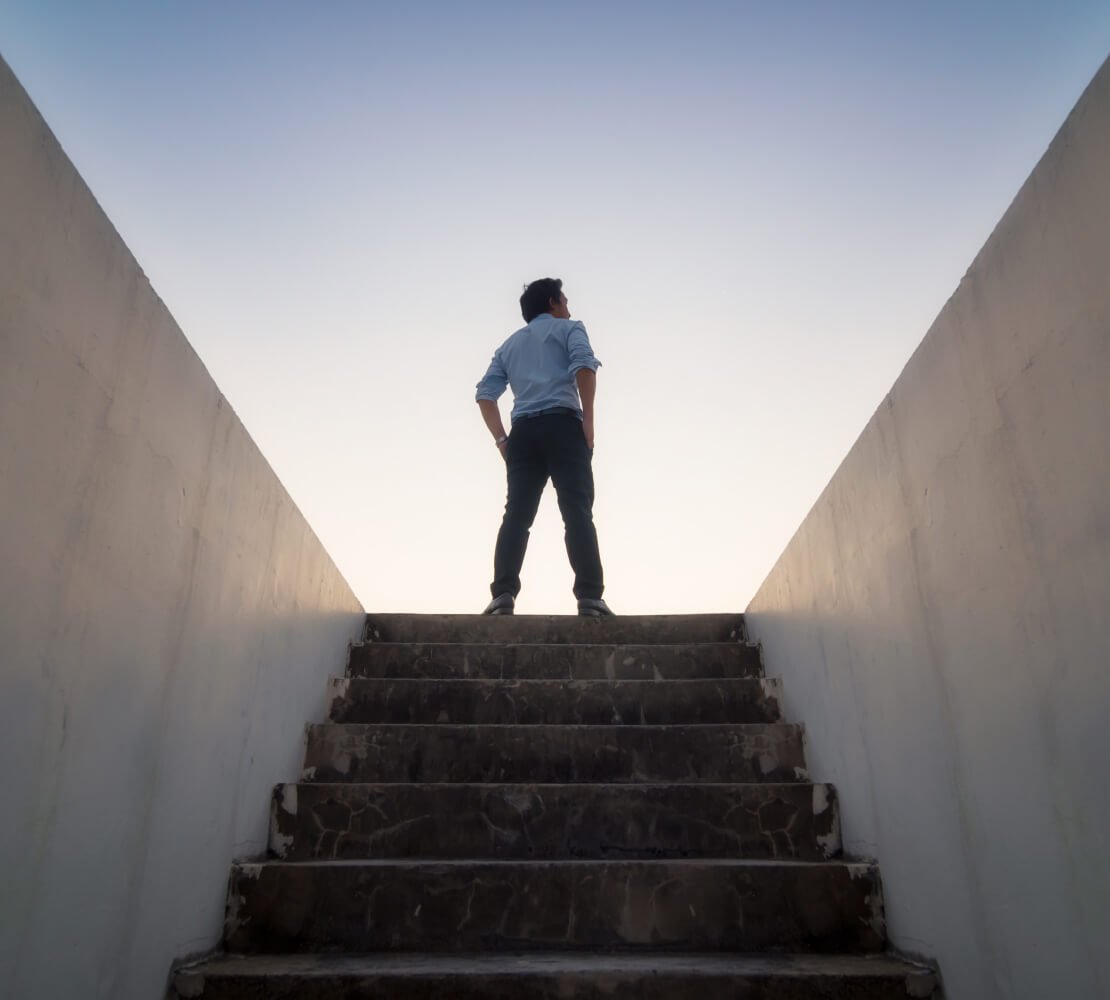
<point x="553" y="372"/>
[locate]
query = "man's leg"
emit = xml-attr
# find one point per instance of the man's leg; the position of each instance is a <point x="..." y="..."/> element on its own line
<point x="527" y="476"/>
<point x="570" y="461"/>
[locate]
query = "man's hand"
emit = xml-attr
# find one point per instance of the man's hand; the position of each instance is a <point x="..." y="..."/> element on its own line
<point x="492" y="416"/>
<point x="588" y="431"/>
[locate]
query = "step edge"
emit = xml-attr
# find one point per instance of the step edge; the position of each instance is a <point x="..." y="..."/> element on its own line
<point x="698" y="962"/>
<point x="799" y="726"/>
<point x="555" y="784"/>
<point x="856" y="868"/>
<point x="720" y="644"/>
<point x="774" y="681"/>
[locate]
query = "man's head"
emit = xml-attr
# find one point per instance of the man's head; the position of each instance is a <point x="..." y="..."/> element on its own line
<point x="544" y="295"/>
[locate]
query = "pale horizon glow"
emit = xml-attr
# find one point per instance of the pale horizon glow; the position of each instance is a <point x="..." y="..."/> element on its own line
<point x="757" y="211"/>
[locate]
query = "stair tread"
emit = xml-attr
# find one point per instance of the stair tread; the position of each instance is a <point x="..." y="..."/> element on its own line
<point x="468" y="906"/>
<point x="591" y="726"/>
<point x="471" y="863"/>
<point x="554" y="786"/>
<point x="708" y="645"/>
<point x="559" y="683"/>
<point x="565" y="820"/>
<point x="522" y="752"/>
<point x="541" y="963"/>
<point x="633" y="660"/>
<point x="646" y="629"/>
<point x="612" y="622"/>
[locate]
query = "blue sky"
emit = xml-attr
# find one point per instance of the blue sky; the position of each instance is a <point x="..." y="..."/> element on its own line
<point x="758" y="209"/>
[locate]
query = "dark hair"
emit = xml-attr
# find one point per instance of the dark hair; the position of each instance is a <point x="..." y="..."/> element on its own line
<point x="537" y="297"/>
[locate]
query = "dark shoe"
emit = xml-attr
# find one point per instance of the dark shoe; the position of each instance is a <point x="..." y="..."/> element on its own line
<point x="593" y="607"/>
<point x="502" y="604"/>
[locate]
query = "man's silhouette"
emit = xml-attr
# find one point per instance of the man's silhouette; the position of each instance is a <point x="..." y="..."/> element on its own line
<point x="553" y="373"/>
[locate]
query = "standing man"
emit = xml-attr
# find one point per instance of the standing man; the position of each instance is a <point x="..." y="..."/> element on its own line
<point x="553" y="372"/>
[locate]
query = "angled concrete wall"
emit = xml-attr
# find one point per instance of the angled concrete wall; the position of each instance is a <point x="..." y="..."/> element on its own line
<point x="942" y="617"/>
<point x="167" y="617"/>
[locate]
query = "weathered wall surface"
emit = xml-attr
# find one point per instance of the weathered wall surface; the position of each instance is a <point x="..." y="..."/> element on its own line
<point x="942" y="616"/>
<point x="167" y="617"/>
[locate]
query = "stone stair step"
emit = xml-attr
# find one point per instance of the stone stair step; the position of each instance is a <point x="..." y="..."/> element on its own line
<point x="580" y="661"/>
<point x="522" y="821"/>
<point x="472" y="906"/>
<point x="544" y="753"/>
<point x="568" y="702"/>
<point x="555" y="628"/>
<point x="548" y="976"/>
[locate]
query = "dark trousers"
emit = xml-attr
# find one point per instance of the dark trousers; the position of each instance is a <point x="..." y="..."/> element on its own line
<point x="551" y="445"/>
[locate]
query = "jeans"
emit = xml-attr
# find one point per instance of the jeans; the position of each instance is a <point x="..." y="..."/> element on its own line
<point x="551" y="445"/>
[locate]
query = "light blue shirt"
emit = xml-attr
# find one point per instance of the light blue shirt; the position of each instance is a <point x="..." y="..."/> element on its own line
<point x="540" y="361"/>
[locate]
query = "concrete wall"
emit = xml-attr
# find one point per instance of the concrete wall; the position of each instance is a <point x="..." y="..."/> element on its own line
<point x="167" y="617"/>
<point x="942" y="616"/>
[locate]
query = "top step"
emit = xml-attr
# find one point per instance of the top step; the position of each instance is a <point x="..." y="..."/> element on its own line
<point x="639" y="629"/>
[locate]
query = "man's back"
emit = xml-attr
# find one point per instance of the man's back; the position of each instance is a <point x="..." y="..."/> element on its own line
<point x="539" y="362"/>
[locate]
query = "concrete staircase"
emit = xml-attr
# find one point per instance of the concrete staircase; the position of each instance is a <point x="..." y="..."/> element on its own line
<point x="555" y="807"/>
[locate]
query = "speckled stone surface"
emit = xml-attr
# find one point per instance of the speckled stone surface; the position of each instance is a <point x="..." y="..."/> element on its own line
<point x="555" y="807"/>
<point x="554" y="821"/>
<point x="571" y="702"/>
<point x="474" y="905"/>
<point x="545" y="976"/>
<point x="555" y="660"/>
<point x="622" y="753"/>
<point x="555" y="628"/>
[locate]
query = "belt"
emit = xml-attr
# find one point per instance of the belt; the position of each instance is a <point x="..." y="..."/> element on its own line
<point x="570" y="411"/>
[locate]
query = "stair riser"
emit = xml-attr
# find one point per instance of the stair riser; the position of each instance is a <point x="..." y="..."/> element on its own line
<point x="555" y="662"/>
<point x="679" y="906"/>
<point x="338" y="822"/>
<point x="542" y="754"/>
<point x="555" y="628"/>
<point x="529" y="702"/>
<point x="507" y="986"/>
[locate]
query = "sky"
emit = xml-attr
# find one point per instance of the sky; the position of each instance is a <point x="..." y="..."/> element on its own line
<point x="757" y="209"/>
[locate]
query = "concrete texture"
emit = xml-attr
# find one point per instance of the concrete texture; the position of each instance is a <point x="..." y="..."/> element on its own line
<point x="479" y="905"/>
<point x="588" y="661"/>
<point x="619" y="629"/>
<point x="167" y="617"/>
<point x="522" y="821"/>
<point x="539" y="976"/>
<point x="555" y="753"/>
<point x="533" y="702"/>
<point x="941" y="621"/>
<point x="644" y="839"/>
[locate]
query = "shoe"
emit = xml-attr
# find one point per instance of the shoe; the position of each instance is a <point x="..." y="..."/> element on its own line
<point x="593" y="607"/>
<point x="502" y="604"/>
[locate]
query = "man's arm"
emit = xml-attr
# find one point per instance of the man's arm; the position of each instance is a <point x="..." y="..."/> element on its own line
<point x="491" y="414"/>
<point x="491" y="387"/>
<point x="587" y="388"/>
<point x="583" y="366"/>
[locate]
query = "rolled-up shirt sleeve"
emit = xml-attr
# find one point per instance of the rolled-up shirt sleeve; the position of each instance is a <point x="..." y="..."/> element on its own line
<point x="494" y="381"/>
<point x="579" y="351"/>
